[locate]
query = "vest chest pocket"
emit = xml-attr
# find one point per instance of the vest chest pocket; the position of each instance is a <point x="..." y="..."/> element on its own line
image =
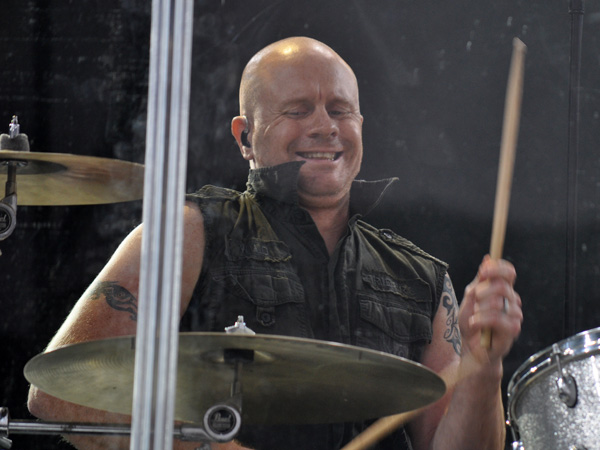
<point x="270" y="303"/>
<point x="256" y="279"/>
<point x="394" y="315"/>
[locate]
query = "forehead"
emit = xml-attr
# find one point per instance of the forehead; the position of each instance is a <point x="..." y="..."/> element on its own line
<point x="307" y="76"/>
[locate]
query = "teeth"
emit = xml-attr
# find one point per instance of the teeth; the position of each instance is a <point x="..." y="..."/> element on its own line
<point x="319" y="155"/>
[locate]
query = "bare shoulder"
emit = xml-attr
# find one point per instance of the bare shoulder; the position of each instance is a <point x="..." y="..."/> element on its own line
<point x="192" y="215"/>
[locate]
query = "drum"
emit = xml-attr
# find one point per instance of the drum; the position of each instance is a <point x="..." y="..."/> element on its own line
<point x="554" y="396"/>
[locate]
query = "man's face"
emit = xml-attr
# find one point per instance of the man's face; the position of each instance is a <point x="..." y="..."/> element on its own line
<point x="308" y="110"/>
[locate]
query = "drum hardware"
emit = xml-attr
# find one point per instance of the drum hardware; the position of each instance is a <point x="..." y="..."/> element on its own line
<point x="239" y="327"/>
<point x="217" y="427"/>
<point x="277" y="379"/>
<point x="553" y="396"/>
<point x="565" y="383"/>
<point x="60" y="179"/>
<point x="221" y="421"/>
<point x="8" y="205"/>
<point x="518" y="445"/>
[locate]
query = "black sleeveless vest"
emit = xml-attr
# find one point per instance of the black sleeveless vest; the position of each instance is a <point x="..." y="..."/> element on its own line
<point x="266" y="260"/>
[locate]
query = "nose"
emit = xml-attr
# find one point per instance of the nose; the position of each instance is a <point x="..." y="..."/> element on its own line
<point x="323" y="125"/>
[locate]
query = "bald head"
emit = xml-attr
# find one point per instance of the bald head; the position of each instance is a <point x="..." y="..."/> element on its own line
<point x="289" y="51"/>
<point x="299" y="102"/>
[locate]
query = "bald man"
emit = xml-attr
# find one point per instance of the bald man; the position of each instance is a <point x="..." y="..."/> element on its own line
<point x="293" y="255"/>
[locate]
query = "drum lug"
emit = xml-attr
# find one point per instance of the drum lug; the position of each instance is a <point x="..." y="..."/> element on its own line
<point x="566" y="385"/>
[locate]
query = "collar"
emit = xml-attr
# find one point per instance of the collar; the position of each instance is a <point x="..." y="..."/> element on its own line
<point x="280" y="183"/>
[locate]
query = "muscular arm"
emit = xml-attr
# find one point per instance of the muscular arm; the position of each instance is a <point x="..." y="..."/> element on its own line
<point x="108" y="308"/>
<point x="471" y="414"/>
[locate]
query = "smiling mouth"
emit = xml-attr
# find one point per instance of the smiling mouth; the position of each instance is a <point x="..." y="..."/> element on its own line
<point x="328" y="156"/>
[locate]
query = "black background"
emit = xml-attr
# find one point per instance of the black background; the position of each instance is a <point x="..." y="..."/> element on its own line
<point x="432" y="78"/>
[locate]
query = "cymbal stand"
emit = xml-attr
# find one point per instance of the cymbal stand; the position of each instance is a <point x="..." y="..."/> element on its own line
<point x="226" y="417"/>
<point x="8" y="205"/>
<point x="216" y="427"/>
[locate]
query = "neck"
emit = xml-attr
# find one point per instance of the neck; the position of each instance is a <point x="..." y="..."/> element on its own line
<point x="331" y="223"/>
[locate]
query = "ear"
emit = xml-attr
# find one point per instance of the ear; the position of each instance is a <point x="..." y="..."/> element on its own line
<point x="239" y="124"/>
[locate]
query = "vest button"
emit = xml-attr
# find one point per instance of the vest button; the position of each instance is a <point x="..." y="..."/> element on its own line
<point x="266" y="318"/>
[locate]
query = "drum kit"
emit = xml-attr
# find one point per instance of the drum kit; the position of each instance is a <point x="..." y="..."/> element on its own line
<point x="46" y="179"/>
<point x="553" y="397"/>
<point x="243" y="377"/>
<point x="224" y="379"/>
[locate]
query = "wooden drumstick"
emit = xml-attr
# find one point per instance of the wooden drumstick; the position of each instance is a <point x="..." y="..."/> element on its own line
<point x="387" y="425"/>
<point x="510" y="132"/>
<point x="380" y="429"/>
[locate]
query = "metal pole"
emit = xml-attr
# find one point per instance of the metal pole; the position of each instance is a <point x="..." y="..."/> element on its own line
<point x="576" y="9"/>
<point x="164" y="189"/>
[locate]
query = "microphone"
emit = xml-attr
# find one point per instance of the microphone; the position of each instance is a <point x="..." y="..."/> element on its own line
<point x="244" y="137"/>
<point x="245" y="141"/>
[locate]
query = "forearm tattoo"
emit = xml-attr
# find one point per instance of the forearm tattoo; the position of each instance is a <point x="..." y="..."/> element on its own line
<point x="117" y="297"/>
<point x="452" y="333"/>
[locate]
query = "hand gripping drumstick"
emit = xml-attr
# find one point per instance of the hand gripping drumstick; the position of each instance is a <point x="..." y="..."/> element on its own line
<point x="510" y="131"/>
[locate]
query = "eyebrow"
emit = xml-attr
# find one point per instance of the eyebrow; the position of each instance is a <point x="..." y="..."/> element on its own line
<point x="299" y="101"/>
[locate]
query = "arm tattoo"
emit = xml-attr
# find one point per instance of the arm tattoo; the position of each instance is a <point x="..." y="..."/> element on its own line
<point x="452" y="333"/>
<point x="117" y="297"/>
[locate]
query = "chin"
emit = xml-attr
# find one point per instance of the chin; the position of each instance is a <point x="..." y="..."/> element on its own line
<point x="318" y="195"/>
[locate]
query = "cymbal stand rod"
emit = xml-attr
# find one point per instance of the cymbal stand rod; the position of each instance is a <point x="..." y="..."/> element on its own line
<point x="11" y="180"/>
<point x="237" y="358"/>
<point x="34" y="427"/>
<point x="155" y="371"/>
<point x="236" y="386"/>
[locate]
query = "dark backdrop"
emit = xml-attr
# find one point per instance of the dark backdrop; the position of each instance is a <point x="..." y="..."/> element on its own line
<point x="432" y="77"/>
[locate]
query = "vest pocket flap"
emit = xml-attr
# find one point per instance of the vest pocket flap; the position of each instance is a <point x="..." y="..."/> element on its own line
<point x="396" y="322"/>
<point x="257" y="249"/>
<point x="262" y="289"/>
<point x="415" y="289"/>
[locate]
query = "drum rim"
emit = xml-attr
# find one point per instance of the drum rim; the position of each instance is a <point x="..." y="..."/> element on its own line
<point x="571" y="348"/>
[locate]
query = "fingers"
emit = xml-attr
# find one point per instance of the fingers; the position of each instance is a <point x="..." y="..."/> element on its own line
<point x="501" y="314"/>
<point x="500" y="268"/>
<point x="492" y="303"/>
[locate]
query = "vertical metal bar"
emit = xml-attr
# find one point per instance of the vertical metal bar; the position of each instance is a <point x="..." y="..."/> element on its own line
<point x="162" y="242"/>
<point x="576" y="9"/>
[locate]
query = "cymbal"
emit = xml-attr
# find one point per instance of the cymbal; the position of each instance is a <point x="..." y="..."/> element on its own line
<point x="289" y="381"/>
<point x="65" y="179"/>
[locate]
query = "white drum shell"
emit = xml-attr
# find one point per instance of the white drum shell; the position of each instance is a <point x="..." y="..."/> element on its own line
<point x="538" y="417"/>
